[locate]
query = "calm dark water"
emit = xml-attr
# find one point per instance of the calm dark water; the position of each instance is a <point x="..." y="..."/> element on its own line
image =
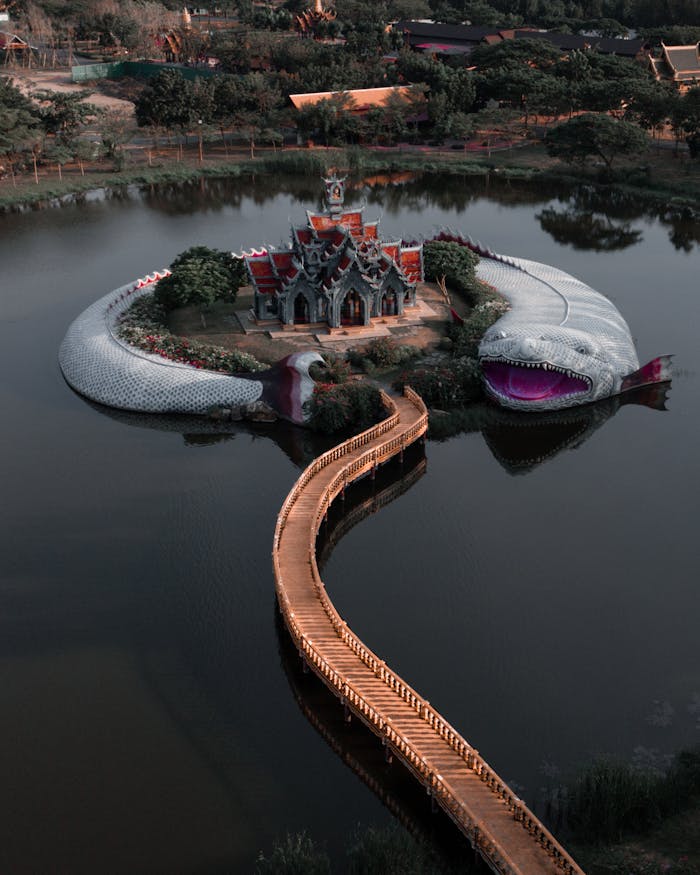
<point x="147" y="722"/>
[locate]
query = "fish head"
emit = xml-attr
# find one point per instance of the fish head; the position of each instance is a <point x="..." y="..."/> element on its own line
<point x="543" y="367"/>
<point x="287" y="386"/>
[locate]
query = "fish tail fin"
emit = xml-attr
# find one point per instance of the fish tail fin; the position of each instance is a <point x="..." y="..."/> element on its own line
<point x="658" y="370"/>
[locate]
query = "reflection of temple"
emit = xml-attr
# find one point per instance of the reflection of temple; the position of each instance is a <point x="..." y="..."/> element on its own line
<point x="337" y="271"/>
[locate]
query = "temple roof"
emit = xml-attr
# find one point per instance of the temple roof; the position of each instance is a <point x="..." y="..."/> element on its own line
<point x="684" y="61"/>
<point x="329" y="245"/>
<point x="678" y="63"/>
<point x="626" y="48"/>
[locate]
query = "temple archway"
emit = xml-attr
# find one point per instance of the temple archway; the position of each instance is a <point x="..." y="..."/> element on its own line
<point x="390" y="304"/>
<point x="352" y="310"/>
<point x="301" y="310"/>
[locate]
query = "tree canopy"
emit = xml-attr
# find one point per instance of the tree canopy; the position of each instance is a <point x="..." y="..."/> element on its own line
<point x="19" y="117"/>
<point x="589" y="136"/>
<point x="451" y="262"/>
<point x="200" y="275"/>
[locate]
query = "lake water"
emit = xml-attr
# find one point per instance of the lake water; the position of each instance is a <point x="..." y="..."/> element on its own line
<point x="151" y="716"/>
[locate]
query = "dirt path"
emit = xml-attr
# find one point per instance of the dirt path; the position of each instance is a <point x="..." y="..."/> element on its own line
<point x="60" y="80"/>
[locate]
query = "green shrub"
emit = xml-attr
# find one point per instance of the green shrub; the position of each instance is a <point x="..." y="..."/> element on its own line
<point x="342" y="406"/>
<point x="446" y="386"/>
<point x="609" y="799"/>
<point x="391" y="851"/>
<point x="466" y="338"/>
<point x="145" y="313"/>
<point x="191" y="352"/>
<point x="294" y="855"/>
<point x="336" y="369"/>
<point x="382" y="352"/>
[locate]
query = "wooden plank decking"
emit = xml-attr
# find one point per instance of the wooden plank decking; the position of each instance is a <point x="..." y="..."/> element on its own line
<point x="497" y="823"/>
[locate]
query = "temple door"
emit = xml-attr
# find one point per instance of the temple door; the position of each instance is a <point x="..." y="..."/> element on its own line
<point x="301" y="310"/>
<point x="389" y="304"/>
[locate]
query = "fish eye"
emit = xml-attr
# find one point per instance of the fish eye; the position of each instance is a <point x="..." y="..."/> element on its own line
<point x="582" y="349"/>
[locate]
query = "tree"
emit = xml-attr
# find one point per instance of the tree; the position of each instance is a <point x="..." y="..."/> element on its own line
<point x="59" y="152"/>
<point x="553" y="96"/>
<point x="493" y="122"/>
<point x="200" y="275"/>
<point x="686" y="120"/>
<point x="587" y="136"/>
<point x="513" y="82"/>
<point x="651" y="104"/>
<point x="167" y="101"/>
<point x="329" y="117"/>
<point x="449" y="262"/>
<point x="63" y="113"/>
<point x="533" y="52"/>
<point x="19" y="121"/>
<point x="115" y="127"/>
<point x="461" y="126"/>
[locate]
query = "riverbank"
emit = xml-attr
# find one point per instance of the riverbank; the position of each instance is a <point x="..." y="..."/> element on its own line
<point x="665" y="178"/>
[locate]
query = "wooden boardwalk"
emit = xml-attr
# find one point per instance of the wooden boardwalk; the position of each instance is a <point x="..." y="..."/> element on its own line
<point x="497" y="823"/>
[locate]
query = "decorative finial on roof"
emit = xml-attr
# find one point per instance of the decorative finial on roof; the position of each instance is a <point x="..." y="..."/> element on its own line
<point x="335" y="195"/>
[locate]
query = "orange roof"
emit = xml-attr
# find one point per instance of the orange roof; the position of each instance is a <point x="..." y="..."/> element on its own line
<point x="362" y="98"/>
<point x="320" y="222"/>
<point x="410" y="260"/>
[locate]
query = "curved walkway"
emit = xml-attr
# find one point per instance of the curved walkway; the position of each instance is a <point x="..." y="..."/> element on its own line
<point x="497" y="823"/>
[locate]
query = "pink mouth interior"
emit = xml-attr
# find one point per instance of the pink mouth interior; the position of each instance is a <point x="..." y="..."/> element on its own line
<point x="530" y="384"/>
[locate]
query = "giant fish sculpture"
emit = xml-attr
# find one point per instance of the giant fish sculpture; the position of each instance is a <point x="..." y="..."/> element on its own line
<point x="560" y="344"/>
<point x="100" y="365"/>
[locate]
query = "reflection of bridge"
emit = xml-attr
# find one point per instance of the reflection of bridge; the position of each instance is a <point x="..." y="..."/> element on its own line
<point x="497" y="823"/>
<point x="365" y="507"/>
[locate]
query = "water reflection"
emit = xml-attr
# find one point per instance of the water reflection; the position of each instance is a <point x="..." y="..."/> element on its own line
<point x="591" y="218"/>
<point x="519" y="442"/>
<point x="299" y="445"/>
<point x="523" y="442"/>
<point x="585" y="230"/>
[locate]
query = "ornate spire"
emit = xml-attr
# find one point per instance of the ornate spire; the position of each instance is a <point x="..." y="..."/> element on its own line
<point x="308" y="21"/>
<point x="335" y="195"/>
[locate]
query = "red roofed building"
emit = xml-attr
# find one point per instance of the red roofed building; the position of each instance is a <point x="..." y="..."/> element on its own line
<point x="337" y="270"/>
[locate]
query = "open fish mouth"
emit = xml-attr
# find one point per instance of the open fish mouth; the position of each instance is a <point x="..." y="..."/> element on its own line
<point x="532" y="381"/>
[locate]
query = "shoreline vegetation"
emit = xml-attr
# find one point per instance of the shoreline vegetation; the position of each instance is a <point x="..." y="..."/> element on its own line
<point x="664" y="179"/>
<point x="618" y="820"/>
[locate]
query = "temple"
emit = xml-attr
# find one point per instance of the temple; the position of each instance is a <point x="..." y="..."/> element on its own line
<point x="310" y="19"/>
<point x="336" y="271"/>
<point x="678" y="65"/>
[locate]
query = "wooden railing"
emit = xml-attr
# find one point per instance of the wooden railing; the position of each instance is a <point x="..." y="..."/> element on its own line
<point x="477" y="832"/>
